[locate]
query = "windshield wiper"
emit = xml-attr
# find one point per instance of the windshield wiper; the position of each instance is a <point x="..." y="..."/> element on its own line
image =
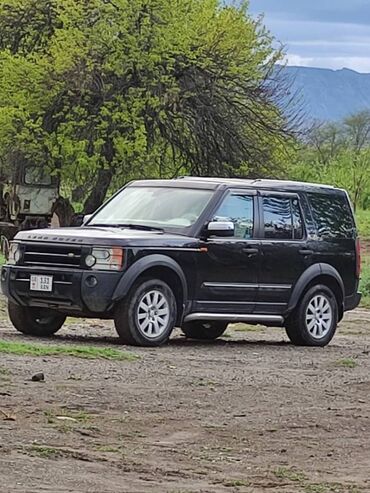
<point x="142" y="227"/>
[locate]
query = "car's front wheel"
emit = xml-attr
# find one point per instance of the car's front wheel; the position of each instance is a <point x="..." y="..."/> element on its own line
<point x="314" y="321"/>
<point x="148" y="315"/>
<point x="204" y="330"/>
<point x="40" y="322"/>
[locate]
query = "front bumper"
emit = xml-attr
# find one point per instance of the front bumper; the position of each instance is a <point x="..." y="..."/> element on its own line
<point x="74" y="290"/>
<point x="352" y="302"/>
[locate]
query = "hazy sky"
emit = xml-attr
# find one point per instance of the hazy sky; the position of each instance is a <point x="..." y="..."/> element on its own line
<point x="320" y="33"/>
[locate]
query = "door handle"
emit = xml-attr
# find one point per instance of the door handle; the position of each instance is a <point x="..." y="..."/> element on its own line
<point x="251" y="251"/>
<point x="306" y="252"/>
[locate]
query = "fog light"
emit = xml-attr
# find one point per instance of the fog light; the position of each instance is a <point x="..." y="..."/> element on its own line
<point x="91" y="281"/>
<point x="90" y="260"/>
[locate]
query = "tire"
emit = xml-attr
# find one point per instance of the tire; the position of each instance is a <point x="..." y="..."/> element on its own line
<point x="40" y="322"/>
<point x="314" y="321"/>
<point x="148" y="315"/>
<point x="207" y="331"/>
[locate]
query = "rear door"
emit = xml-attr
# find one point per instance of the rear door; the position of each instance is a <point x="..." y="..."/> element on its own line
<point x="336" y="231"/>
<point x="284" y="253"/>
<point x="227" y="274"/>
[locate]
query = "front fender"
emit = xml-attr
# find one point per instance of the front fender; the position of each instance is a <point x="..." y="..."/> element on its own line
<point x="308" y="275"/>
<point x="142" y="265"/>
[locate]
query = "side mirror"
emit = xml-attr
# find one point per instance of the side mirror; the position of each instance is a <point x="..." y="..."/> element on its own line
<point x="221" y="228"/>
<point x="86" y="219"/>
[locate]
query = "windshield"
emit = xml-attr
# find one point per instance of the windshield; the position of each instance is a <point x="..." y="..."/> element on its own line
<point x="156" y="207"/>
<point x="36" y="175"/>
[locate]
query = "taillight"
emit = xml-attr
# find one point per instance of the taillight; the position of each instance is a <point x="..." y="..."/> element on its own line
<point x="358" y="258"/>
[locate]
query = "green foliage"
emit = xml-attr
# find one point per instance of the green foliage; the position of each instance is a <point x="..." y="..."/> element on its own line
<point x="363" y="223"/>
<point x="338" y="154"/>
<point x="104" y="91"/>
<point x="365" y="276"/>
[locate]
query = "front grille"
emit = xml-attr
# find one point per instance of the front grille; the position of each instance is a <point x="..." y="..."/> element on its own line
<point x="52" y="255"/>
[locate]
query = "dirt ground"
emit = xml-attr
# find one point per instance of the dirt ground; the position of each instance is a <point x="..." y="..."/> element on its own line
<point x="247" y="413"/>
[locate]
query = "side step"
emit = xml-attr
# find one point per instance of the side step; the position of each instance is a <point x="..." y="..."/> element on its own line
<point x="236" y="317"/>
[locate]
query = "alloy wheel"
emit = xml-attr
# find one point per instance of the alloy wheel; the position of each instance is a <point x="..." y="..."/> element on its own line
<point x="153" y="314"/>
<point x="319" y="316"/>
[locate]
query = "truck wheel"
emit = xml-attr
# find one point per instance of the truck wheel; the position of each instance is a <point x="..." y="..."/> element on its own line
<point x="314" y="321"/>
<point x="204" y="330"/>
<point x="40" y="322"/>
<point x="148" y="315"/>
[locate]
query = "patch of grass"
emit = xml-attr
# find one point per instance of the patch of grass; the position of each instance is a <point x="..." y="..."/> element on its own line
<point x="290" y="474"/>
<point x="81" y="416"/>
<point x="4" y="375"/>
<point x="330" y="488"/>
<point x="308" y="487"/>
<point x="235" y="483"/>
<point x="203" y="383"/>
<point x="2" y="259"/>
<point x="71" y="416"/>
<point x="44" y="452"/>
<point x="346" y="363"/>
<point x="87" y="352"/>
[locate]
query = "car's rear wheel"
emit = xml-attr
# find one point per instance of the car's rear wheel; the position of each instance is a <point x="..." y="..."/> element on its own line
<point x="314" y="321"/>
<point x="204" y="330"/>
<point x="40" y="322"/>
<point x="148" y="315"/>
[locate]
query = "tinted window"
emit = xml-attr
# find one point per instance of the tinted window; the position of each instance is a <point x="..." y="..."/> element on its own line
<point x="298" y="231"/>
<point x="332" y="215"/>
<point x="238" y="209"/>
<point x="278" y="218"/>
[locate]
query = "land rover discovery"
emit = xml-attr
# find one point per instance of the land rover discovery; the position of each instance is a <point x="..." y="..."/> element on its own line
<point x="194" y="253"/>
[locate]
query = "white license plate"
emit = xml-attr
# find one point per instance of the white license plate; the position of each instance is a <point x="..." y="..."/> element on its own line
<point x="41" y="283"/>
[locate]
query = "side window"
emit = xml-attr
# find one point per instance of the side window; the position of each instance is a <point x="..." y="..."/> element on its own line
<point x="298" y="231"/>
<point x="332" y="215"/>
<point x="238" y="208"/>
<point x="282" y="218"/>
<point x="277" y="218"/>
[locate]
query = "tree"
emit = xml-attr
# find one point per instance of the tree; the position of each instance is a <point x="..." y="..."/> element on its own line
<point x="338" y="153"/>
<point x="102" y="91"/>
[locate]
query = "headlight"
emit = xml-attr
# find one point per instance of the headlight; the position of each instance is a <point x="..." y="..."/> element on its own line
<point x="14" y="253"/>
<point x="105" y="259"/>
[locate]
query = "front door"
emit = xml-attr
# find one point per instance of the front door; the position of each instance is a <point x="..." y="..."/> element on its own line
<point x="228" y="272"/>
<point x="283" y="249"/>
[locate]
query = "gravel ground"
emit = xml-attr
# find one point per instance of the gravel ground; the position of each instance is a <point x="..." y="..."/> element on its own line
<point x="246" y="413"/>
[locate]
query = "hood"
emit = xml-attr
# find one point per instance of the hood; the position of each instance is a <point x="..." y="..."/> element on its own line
<point x="90" y="235"/>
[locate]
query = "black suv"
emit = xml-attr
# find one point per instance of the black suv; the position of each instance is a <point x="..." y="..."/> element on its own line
<point x="194" y="253"/>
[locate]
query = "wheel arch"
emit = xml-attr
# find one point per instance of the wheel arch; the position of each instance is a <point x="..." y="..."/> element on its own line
<point x="156" y="267"/>
<point x="318" y="274"/>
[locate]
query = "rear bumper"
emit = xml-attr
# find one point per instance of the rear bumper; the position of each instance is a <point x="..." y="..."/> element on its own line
<point x="74" y="290"/>
<point x="352" y="302"/>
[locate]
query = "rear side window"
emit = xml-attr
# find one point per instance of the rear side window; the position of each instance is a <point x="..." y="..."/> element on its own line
<point x="282" y="218"/>
<point x="332" y="215"/>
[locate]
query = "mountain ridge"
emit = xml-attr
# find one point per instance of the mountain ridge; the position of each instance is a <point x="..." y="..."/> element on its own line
<point x="327" y="94"/>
